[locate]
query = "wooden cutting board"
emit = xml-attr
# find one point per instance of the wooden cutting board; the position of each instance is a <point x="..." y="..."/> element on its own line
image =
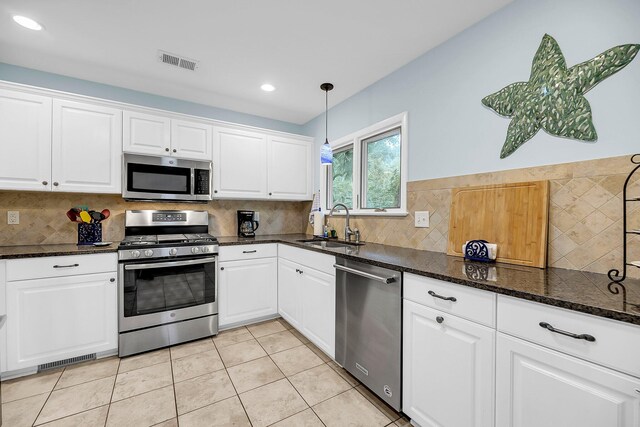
<point x="515" y="216"/>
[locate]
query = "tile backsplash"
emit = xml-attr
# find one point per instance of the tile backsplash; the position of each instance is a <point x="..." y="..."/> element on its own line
<point x="585" y="230"/>
<point x="43" y="219"/>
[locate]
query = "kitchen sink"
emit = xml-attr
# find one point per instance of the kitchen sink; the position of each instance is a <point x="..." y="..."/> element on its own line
<point x="320" y="243"/>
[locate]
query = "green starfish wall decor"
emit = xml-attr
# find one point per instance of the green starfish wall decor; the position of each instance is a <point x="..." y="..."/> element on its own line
<point x="553" y="98"/>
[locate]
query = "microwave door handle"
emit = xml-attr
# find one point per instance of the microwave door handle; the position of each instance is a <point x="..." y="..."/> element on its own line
<point x="169" y="264"/>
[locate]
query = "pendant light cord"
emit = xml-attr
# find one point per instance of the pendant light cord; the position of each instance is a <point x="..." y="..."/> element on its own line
<point x="326" y="116"/>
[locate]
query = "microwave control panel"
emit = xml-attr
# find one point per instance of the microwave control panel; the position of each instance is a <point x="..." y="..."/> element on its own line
<point x="201" y="181"/>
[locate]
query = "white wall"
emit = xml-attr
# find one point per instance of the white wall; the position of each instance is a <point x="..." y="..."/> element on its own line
<point x="451" y="133"/>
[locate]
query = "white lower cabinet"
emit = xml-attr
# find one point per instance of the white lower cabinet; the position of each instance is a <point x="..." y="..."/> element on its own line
<point x="539" y="387"/>
<point x="289" y="286"/>
<point x="57" y="318"/>
<point x="448" y="369"/>
<point x="247" y="289"/>
<point x="60" y="307"/>
<point x="307" y="295"/>
<point x="319" y="308"/>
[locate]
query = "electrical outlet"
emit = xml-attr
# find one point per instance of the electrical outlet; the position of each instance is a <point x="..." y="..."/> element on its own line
<point x="13" y="217"/>
<point x="421" y="219"/>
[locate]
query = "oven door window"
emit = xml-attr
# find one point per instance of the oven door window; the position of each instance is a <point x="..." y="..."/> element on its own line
<point x="158" y="289"/>
<point x="158" y="179"/>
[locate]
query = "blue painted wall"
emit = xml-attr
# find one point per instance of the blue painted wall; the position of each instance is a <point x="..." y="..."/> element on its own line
<point x="451" y="133"/>
<point x="29" y="76"/>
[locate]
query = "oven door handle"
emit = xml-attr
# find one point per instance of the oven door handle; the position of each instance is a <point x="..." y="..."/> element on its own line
<point x="169" y="264"/>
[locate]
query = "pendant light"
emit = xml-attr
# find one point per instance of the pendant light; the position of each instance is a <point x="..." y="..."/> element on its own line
<point x="326" y="154"/>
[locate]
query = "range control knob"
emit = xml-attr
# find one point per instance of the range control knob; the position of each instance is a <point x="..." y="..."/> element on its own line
<point x="195" y="250"/>
<point x="206" y="249"/>
<point x="135" y="254"/>
<point x="148" y="252"/>
<point x="173" y="251"/>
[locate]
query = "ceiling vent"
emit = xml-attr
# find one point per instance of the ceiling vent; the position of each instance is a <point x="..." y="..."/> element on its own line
<point x="177" y="61"/>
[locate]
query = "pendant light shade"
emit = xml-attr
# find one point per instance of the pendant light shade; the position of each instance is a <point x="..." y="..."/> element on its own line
<point x="326" y="154"/>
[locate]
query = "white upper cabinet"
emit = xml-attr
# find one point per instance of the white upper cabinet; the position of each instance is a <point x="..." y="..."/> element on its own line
<point x="86" y="153"/>
<point x="256" y="165"/>
<point x="191" y="139"/>
<point x="290" y="169"/>
<point x="239" y="164"/>
<point x="162" y="136"/>
<point x="25" y="136"/>
<point x="146" y="134"/>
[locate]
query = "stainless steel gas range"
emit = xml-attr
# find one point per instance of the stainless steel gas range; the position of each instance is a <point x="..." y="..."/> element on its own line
<point x="168" y="291"/>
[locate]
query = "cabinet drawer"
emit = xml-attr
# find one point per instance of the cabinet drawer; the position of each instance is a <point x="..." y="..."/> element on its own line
<point x="240" y="252"/>
<point x="616" y="345"/>
<point x="321" y="262"/>
<point x="473" y="304"/>
<point x="57" y="266"/>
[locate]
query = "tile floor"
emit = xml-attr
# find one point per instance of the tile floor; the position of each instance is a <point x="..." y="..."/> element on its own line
<point x="259" y="375"/>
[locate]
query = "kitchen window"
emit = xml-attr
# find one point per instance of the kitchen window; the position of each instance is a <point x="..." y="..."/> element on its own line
<point x="368" y="173"/>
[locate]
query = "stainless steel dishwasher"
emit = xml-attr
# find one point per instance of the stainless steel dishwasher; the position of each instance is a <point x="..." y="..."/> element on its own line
<point x="369" y="326"/>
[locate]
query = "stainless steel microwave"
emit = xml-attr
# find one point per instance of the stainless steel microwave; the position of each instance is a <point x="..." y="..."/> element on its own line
<point x="165" y="178"/>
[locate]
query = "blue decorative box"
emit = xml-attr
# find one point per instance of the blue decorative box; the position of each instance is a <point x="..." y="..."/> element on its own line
<point x="88" y="234"/>
<point x="477" y="250"/>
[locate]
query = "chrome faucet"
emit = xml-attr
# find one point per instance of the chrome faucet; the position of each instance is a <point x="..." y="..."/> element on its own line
<point x="347" y="230"/>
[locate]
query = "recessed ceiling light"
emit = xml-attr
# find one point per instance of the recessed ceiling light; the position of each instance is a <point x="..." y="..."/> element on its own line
<point x="27" y="22"/>
<point x="267" y="87"/>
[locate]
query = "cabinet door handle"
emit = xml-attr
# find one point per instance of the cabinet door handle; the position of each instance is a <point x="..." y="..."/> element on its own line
<point x="250" y="252"/>
<point x="215" y="191"/>
<point x="221" y="268"/>
<point x="112" y="280"/>
<point x="175" y="151"/>
<point x="55" y="184"/>
<point x="433" y="294"/>
<point x="66" y="266"/>
<point x="550" y="328"/>
<point x="270" y="194"/>
<point x="45" y="183"/>
<point x="439" y="319"/>
<point x="166" y="149"/>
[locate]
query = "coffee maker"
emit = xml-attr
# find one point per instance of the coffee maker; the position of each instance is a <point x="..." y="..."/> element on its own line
<point x="248" y="222"/>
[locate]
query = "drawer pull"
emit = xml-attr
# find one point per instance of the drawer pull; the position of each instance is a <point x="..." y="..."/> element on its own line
<point x="585" y="337"/>
<point x="250" y="252"/>
<point x="433" y="294"/>
<point x="66" y="266"/>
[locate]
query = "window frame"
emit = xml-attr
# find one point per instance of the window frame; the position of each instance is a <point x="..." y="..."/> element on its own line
<point x="356" y="140"/>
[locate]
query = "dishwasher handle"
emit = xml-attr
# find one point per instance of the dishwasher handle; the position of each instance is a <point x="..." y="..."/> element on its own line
<point x="385" y="280"/>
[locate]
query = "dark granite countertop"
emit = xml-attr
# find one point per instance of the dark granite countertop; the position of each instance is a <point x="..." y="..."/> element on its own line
<point x="34" y="251"/>
<point x="575" y="290"/>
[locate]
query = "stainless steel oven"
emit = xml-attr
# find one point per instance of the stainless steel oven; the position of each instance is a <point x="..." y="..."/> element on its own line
<point x="168" y="280"/>
<point x="165" y="178"/>
<point x="161" y="292"/>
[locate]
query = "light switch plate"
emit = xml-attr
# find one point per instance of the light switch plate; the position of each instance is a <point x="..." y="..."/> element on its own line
<point x="13" y="217"/>
<point x="422" y="219"/>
